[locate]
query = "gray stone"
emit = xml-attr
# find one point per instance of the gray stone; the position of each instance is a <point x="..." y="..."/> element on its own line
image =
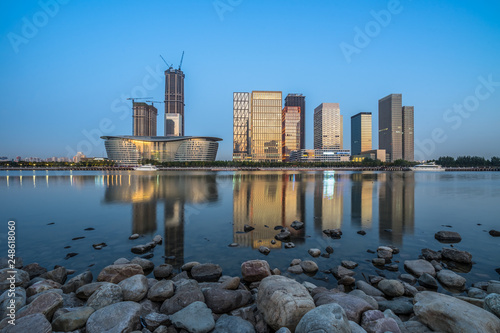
<point x="414" y="326"/>
<point x="45" y="304"/>
<point x="187" y="292"/>
<point x="419" y="267"/>
<point x="392" y="288"/>
<point x="283" y="301"/>
<point x="41" y="286"/>
<point x="147" y="265"/>
<point x="437" y="266"/>
<point x="408" y="278"/>
<point x="84" y="292"/>
<point x="328" y="318"/>
<point x="453" y="254"/>
<point x="389" y="314"/>
<point x="121" y="261"/>
<point x="295" y="262"/>
<point x="475" y="301"/>
<point x="361" y="294"/>
<point x="141" y="248"/>
<point x="297" y="225"/>
<point x="32" y="323"/>
<point x="283" y="330"/>
<point x="399" y="305"/>
<point x="189" y="265"/>
<point x="340" y="271"/>
<point x="355" y="328"/>
<point x="54" y="290"/>
<point x="34" y="270"/>
<point x="349" y="264"/>
<point x="105" y="295"/>
<point x="162" y="290"/>
<point x="71" y="301"/>
<point x="448" y="314"/>
<point x="492" y="304"/>
<point x="296" y="269"/>
<point x="309" y="266"/>
<point x="19" y="298"/>
<point x="289" y="245"/>
<point x="476" y="293"/>
<point x="451" y="279"/>
<point x="163" y="271"/>
<point x="264" y="250"/>
<point x="118" y="317"/>
<point x="346" y="281"/>
<point x="368" y="289"/>
<point x="427" y="281"/>
<point x="314" y="252"/>
<point x="157" y="239"/>
<point x="21" y="278"/>
<point x="230" y="324"/>
<point x="384" y="252"/>
<point x="72" y="320"/>
<point x="154" y="319"/>
<point x="206" y="272"/>
<point x="255" y="270"/>
<point x="231" y="283"/>
<point x="195" y="318"/>
<point x="382" y="325"/>
<point x="78" y="281"/>
<point x="134" y="236"/>
<point x="430" y="255"/>
<point x="134" y="288"/>
<point x="283" y="235"/>
<point x="493" y="287"/>
<point x="352" y="305"/>
<point x="410" y="290"/>
<point x="118" y="273"/>
<point x="448" y="236"/>
<point x="378" y="261"/>
<point x="309" y="286"/>
<point x="223" y="301"/>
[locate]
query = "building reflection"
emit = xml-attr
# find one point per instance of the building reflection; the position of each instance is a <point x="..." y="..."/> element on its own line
<point x="328" y="201"/>
<point x="265" y="201"/>
<point x="362" y="199"/>
<point x="396" y="206"/>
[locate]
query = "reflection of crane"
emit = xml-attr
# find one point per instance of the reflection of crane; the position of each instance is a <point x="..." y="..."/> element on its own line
<point x="166" y="63"/>
<point x="182" y="57"/>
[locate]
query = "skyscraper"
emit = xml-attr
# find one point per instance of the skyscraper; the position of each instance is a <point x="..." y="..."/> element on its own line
<point x="144" y="119"/>
<point x="391" y="127"/>
<point x="408" y="129"/>
<point x="241" y="125"/>
<point x="174" y="97"/>
<point x="173" y="123"/>
<point x="266" y="126"/>
<point x="361" y="132"/>
<point x="290" y="137"/>
<point x="328" y="126"/>
<point x="300" y="101"/>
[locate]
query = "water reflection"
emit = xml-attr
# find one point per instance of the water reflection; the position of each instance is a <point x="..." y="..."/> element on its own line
<point x="362" y="199"/>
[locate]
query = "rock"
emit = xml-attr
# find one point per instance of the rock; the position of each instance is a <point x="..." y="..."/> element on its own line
<point x="389" y="314"/>
<point x="160" y="291"/>
<point x="295" y="262"/>
<point x="378" y="261"/>
<point x="264" y="250"/>
<point x="158" y="239"/>
<point x="392" y="288"/>
<point x="414" y="326"/>
<point x="41" y="286"/>
<point x="32" y="298"/>
<point x="118" y="317"/>
<point x="427" y="281"/>
<point x="355" y="328"/>
<point x="309" y="286"/>
<point x="283" y="301"/>
<point x="392" y="267"/>
<point x="368" y="299"/>
<point x="154" y="319"/>
<point x="462" y="257"/>
<point x="19" y="300"/>
<point x="248" y="228"/>
<point x="142" y="248"/>
<point x="187" y="292"/>
<point x="188" y="266"/>
<point x="328" y="318"/>
<point x="134" y="288"/>
<point x="34" y="270"/>
<point x="449" y="314"/>
<point x="21" y="278"/>
<point x="255" y="270"/>
<point x="382" y="325"/>
<point x="223" y="301"/>
<point x="333" y="233"/>
<point x="206" y="272"/>
<point x="45" y="304"/>
<point x="118" y="273"/>
<point x="230" y="324"/>
<point x="384" y="252"/>
<point x="289" y="245"/>
<point x="361" y="232"/>
<point x="59" y="275"/>
<point x="31" y="323"/>
<point x="84" y="292"/>
<point x="430" y="255"/>
<point x="399" y="305"/>
<point x="283" y="235"/>
<point x="146" y="265"/>
<point x="410" y="291"/>
<point x="196" y="318"/>
<point x="148" y="306"/>
<point x="297" y="269"/>
<point x="368" y="289"/>
<point x="493" y="287"/>
<point x="234" y="245"/>
<point x="419" y="267"/>
<point x="408" y="278"/>
<point x="437" y="266"/>
<point x="181" y="276"/>
<point x="297" y="225"/>
<point x="339" y="272"/>
<point x="231" y="284"/>
<point x="134" y="236"/>
<point x="352" y="305"/>
<point x="121" y="261"/>
<point x="105" y="295"/>
<point x="492" y="304"/>
<point x="164" y="271"/>
<point x="78" y="281"/>
<point x="329" y="249"/>
<point x="476" y="293"/>
<point x="349" y="264"/>
<point x="473" y="301"/>
<point x="346" y="281"/>
<point x="72" y="320"/>
<point x="309" y="266"/>
<point x="451" y="280"/>
<point x="494" y="233"/>
<point x="71" y="301"/>
<point x="448" y="236"/>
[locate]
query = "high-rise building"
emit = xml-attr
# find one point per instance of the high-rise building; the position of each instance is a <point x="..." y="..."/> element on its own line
<point x="361" y="133"/>
<point x="300" y="101"/>
<point x="266" y="125"/>
<point x="290" y="136"/>
<point x="173" y="123"/>
<point x="328" y="127"/>
<point x="241" y="125"/>
<point x="391" y="127"/>
<point x="408" y="129"/>
<point x="144" y="119"/>
<point x="174" y="97"/>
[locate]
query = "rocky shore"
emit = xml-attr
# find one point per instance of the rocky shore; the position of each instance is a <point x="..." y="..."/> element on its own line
<point x="134" y="295"/>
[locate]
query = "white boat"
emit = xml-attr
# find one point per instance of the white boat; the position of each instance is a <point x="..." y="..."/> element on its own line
<point x="427" y="167"/>
<point x="146" y="167"/>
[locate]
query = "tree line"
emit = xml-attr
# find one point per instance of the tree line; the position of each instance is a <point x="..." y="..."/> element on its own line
<point x="468" y="161"/>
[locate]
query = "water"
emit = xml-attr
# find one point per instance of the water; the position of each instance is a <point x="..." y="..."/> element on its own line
<point x="200" y="213"/>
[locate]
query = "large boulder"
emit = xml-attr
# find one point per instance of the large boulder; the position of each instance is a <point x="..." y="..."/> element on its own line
<point x="78" y="281"/>
<point x="353" y="306"/>
<point x="21" y="278"/>
<point x="187" y="292"/>
<point x="19" y="300"/>
<point x="41" y="286"/>
<point x="45" y="304"/>
<point x="451" y="279"/>
<point x="118" y="317"/>
<point x="492" y="304"/>
<point x="105" y="295"/>
<point x="134" y="288"/>
<point x="368" y="288"/>
<point x="118" y="273"/>
<point x="419" y="267"/>
<point x="163" y="271"/>
<point x="283" y="301"/>
<point x="255" y="270"/>
<point x="453" y="254"/>
<point x="72" y="320"/>
<point x="33" y="323"/>
<point x="146" y="265"/>
<point x="206" y="272"/>
<point x="195" y="318"/>
<point x="392" y="288"/>
<point x="230" y="324"/>
<point x="34" y="270"/>
<point x="328" y="318"/>
<point x="398" y="305"/>
<point x="449" y="314"/>
<point x="59" y="275"/>
<point x="222" y="301"/>
<point x="162" y="290"/>
<point x="85" y="291"/>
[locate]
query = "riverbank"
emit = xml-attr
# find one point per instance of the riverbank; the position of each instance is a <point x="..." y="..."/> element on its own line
<point x="134" y="294"/>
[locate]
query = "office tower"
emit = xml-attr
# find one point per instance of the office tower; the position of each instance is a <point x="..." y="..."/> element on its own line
<point x="174" y="97"/>
<point x="241" y="125"/>
<point x="408" y="129"/>
<point x="266" y="125"/>
<point x="361" y="133"/>
<point x="300" y="101"/>
<point x="328" y="126"/>
<point x="144" y="119"/>
<point x="173" y="123"/>
<point x="291" y="121"/>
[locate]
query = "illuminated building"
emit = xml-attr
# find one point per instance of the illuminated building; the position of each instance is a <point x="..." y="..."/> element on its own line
<point x="328" y="127"/>
<point x="320" y="155"/>
<point x="300" y="101"/>
<point x="290" y="136"/>
<point x="408" y="136"/>
<point x="144" y="122"/>
<point x="241" y="126"/>
<point x="361" y="133"/>
<point x="266" y="126"/>
<point x="174" y="97"/>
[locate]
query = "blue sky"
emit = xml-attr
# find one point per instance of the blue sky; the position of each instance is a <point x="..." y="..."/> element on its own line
<point x="67" y="67"/>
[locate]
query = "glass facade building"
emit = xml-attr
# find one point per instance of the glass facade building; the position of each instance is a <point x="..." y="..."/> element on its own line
<point x="300" y="101"/>
<point x="173" y="123"/>
<point x="265" y="130"/>
<point x="328" y="127"/>
<point x="241" y="126"/>
<point x="290" y="136"/>
<point x="408" y="137"/>
<point x="361" y="132"/>
<point x="174" y="97"/>
<point x="129" y="150"/>
<point x="144" y="119"/>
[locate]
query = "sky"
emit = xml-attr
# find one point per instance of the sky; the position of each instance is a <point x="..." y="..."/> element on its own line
<point x="68" y="66"/>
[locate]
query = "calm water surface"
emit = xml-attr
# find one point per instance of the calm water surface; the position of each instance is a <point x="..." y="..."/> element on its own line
<point x="200" y="213"/>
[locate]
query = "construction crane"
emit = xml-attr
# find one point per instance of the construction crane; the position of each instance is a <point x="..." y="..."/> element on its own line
<point x="152" y="102"/>
<point x="134" y="98"/>
<point x="182" y="57"/>
<point x="166" y="63"/>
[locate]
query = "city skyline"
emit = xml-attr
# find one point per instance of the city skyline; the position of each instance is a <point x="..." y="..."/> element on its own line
<point x="70" y="79"/>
